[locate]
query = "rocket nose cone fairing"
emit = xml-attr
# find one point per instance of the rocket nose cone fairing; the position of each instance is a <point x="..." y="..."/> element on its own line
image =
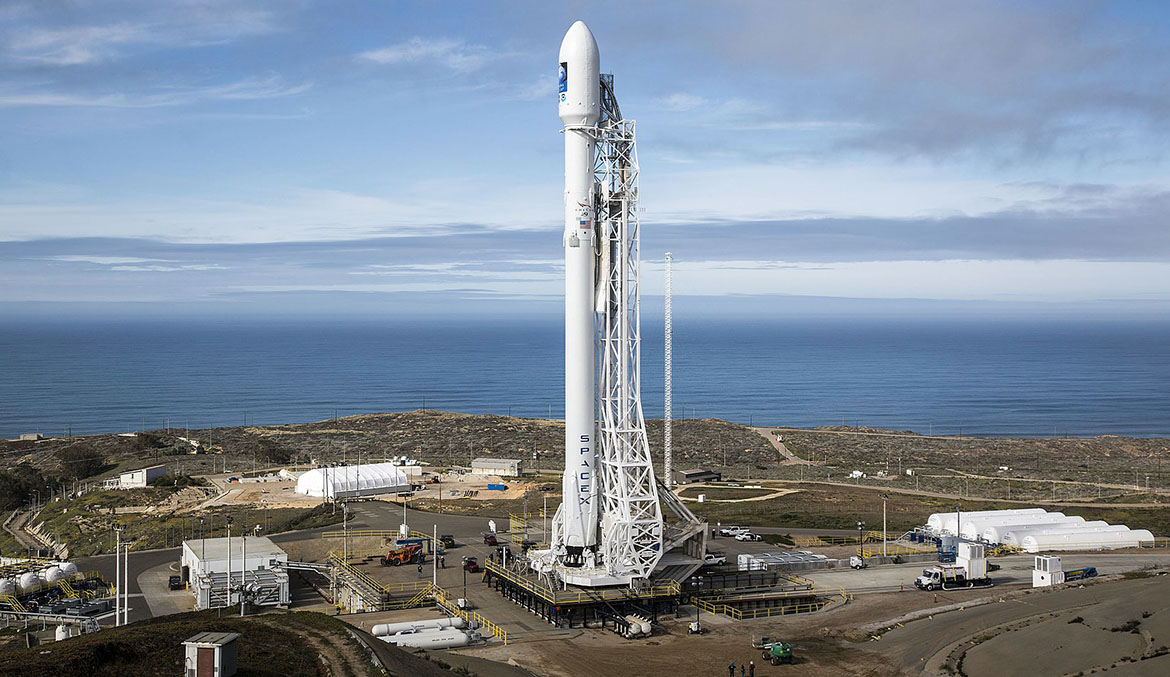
<point x="579" y="96"/>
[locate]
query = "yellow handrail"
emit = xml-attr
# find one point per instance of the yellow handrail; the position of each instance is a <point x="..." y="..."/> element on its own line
<point x="13" y="602"/>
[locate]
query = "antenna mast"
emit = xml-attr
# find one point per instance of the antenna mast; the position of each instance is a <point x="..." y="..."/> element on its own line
<point x="668" y="385"/>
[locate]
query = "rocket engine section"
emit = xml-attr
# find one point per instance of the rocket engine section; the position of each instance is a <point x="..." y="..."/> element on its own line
<point x="579" y="107"/>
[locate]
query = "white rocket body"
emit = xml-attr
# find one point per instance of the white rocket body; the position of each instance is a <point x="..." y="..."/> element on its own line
<point x="579" y="106"/>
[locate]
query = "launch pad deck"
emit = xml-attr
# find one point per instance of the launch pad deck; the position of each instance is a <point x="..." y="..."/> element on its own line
<point x="735" y="594"/>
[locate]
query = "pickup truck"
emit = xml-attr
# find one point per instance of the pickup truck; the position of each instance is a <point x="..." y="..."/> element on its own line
<point x="748" y="536"/>
<point x="732" y="531"/>
<point x="714" y="559"/>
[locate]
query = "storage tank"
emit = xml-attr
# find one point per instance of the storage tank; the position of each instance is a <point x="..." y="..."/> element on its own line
<point x="938" y="522"/>
<point x="7" y="587"/>
<point x="444" y="638"/>
<point x="972" y="529"/>
<point x="432" y="624"/>
<point x="1016" y="536"/>
<point x="29" y="581"/>
<point x="1099" y="540"/>
<point x="68" y="569"/>
<point x="52" y="575"/>
<point x="994" y="534"/>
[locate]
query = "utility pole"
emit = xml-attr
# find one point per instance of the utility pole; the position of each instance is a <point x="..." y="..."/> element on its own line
<point x="243" y="565"/>
<point x="117" y="576"/>
<point x="884" y="537"/>
<point x="228" y="601"/>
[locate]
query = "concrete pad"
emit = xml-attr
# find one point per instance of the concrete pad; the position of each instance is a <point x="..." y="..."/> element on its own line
<point x="154" y="584"/>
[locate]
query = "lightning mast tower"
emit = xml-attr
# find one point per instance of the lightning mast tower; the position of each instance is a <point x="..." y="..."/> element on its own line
<point x="668" y="381"/>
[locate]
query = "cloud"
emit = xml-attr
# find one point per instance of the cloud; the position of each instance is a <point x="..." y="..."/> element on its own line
<point x="100" y="260"/>
<point x="681" y="102"/>
<point x="453" y="54"/>
<point x="247" y="89"/>
<point x="1000" y="79"/>
<point x="135" y="264"/>
<point x="168" y="269"/>
<point x="154" y="25"/>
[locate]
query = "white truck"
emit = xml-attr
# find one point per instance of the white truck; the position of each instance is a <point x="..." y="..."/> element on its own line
<point x="715" y="559"/>
<point x="968" y="571"/>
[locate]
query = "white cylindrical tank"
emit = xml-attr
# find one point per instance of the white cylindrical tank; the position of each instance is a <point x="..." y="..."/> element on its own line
<point x="637" y="628"/>
<point x="1099" y="540"/>
<point x="53" y="574"/>
<point x="7" y="587"/>
<point x="29" y="581"/>
<point x="435" y="624"/>
<point x="62" y="632"/>
<point x="1016" y="536"/>
<point x="68" y="569"/>
<point x="994" y="534"/>
<point x="972" y="529"/>
<point x="431" y="639"/>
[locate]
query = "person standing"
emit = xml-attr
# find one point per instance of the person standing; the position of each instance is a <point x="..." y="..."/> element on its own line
<point x="731" y="669"/>
<point x="420" y="569"/>
<point x="742" y="670"/>
<point x="751" y="669"/>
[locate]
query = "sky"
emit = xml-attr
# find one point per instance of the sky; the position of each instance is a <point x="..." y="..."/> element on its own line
<point x="343" y="157"/>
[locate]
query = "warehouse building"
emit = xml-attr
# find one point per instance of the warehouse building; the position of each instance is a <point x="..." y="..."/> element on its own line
<point x="349" y="481"/>
<point x="697" y="475"/>
<point x="255" y="564"/>
<point x="501" y="467"/>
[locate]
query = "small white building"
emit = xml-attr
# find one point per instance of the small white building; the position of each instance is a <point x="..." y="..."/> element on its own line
<point x="500" y="467"/>
<point x="255" y="563"/>
<point x="137" y="479"/>
<point x="210" y="653"/>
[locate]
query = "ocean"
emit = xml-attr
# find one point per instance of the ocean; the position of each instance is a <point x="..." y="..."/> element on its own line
<point x="971" y="377"/>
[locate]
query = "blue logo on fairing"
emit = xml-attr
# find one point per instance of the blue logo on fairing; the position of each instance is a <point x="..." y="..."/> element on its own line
<point x="563" y="80"/>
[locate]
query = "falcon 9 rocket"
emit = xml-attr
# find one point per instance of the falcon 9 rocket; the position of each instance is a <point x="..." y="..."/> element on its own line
<point x="580" y="109"/>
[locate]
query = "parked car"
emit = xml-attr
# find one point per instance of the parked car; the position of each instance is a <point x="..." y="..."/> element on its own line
<point x="490" y="539"/>
<point x="471" y="564"/>
<point x="447" y="540"/>
<point x="175" y="583"/>
<point x="732" y="531"/>
<point x="714" y="559"/>
<point x="748" y="536"/>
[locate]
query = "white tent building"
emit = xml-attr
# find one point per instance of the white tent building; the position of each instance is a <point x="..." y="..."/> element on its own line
<point x="347" y="481"/>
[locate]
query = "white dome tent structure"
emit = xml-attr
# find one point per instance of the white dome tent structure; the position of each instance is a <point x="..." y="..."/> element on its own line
<point x="349" y="481"/>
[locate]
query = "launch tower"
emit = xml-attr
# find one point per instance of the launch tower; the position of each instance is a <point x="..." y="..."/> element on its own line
<point x="609" y="529"/>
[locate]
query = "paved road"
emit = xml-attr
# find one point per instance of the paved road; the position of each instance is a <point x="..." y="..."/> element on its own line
<point x="790" y="458"/>
<point x="140" y="563"/>
<point x="1015" y="570"/>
